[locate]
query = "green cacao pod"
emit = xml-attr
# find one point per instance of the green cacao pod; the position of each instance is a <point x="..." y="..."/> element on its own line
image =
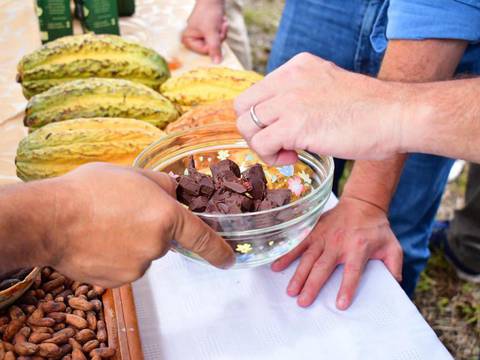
<point x="58" y="148"/>
<point x="98" y="97"/>
<point x="89" y="55"/>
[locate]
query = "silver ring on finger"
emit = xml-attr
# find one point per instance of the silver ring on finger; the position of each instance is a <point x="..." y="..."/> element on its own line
<point x="255" y="118"/>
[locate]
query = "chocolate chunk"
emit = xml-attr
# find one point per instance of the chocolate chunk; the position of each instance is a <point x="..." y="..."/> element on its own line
<point x="279" y="197"/>
<point x="206" y="185"/>
<point x="189" y="185"/>
<point x="198" y="204"/>
<point x="256" y="178"/>
<point x="235" y="186"/>
<point x="225" y="170"/>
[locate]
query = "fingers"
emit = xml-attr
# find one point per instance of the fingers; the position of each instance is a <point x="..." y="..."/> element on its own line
<point x="319" y="274"/>
<point x="213" y="41"/>
<point x="303" y="270"/>
<point x="224" y="29"/>
<point x="352" y="273"/>
<point x="393" y="260"/>
<point x="267" y="113"/>
<point x="195" y="42"/>
<point x="285" y="261"/>
<point x="194" y="235"/>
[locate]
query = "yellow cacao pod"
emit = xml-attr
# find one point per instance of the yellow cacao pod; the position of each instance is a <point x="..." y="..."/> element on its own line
<point x="58" y="148"/>
<point x="208" y="85"/>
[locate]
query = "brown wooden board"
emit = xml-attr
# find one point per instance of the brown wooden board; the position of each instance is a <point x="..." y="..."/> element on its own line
<point x="121" y="322"/>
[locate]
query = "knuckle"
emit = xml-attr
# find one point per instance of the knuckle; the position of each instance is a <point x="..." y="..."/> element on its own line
<point x="201" y="243"/>
<point x="361" y="242"/>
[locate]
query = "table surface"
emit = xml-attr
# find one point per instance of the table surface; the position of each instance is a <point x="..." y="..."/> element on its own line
<point x="190" y="311"/>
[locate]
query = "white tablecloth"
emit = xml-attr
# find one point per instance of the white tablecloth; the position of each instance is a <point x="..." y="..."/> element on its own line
<point x="191" y="311"/>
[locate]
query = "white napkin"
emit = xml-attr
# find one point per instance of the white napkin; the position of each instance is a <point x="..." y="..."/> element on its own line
<point x="192" y="311"/>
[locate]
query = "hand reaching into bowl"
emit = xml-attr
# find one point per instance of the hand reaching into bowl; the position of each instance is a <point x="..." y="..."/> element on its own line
<point x="101" y="224"/>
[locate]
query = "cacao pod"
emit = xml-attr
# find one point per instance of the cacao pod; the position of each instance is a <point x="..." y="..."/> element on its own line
<point x="208" y="85"/>
<point x="90" y="55"/>
<point x="97" y="97"/>
<point x="58" y="148"/>
<point x="201" y="115"/>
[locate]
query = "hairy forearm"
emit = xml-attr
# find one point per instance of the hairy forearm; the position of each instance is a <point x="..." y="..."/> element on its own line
<point x="406" y="61"/>
<point x="25" y="213"/>
<point x="443" y="118"/>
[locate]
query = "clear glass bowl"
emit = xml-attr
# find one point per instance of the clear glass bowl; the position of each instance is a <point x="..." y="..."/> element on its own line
<point x="257" y="238"/>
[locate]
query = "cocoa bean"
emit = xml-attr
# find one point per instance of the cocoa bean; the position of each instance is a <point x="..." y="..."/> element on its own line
<point x="59" y="299"/>
<point x="53" y="306"/>
<point x="22" y="335"/>
<point x="37" y="337"/>
<point x="75" y="285"/>
<point x="42" y="329"/>
<point x="67" y="357"/>
<point x="99" y="290"/>
<point x="66" y="293"/>
<point x="57" y="339"/>
<point x="8" y="346"/>
<point x="28" y="309"/>
<point x="97" y="305"/>
<point x="37" y="282"/>
<point x="96" y="358"/>
<point x="59" y="317"/>
<point x="46" y="321"/>
<point x="37" y="358"/>
<point x="81" y="290"/>
<point x="68" y="310"/>
<point x="48" y="297"/>
<point x="80" y="304"/>
<point x="76" y="321"/>
<point x="26" y="348"/>
<point x="40" y="293"/>
<point x="77" y="354"/>
<point x="12" y="328"/>
<point x="91" y="320"/>
<point x="55" y="275"/>
<point x="37" y="314"/>
<point x="69" y="332"/>
<point x="75" y="344"/>
<point x="103" y="352"/>
<point x="79" y="313"/>
<point x="53" y="284"/>
<point x="49" y="350"/>
<point x="46" y="272"/>
<point x="85" y="335"/>
<point x="91" y="294"/>
<point x="59" y="327"/>
<point x="102" y="331"/>
<point x="9" y="355"/>
<point x="66" y="349"/>
<point x="2" y="329"/>
<point x="16" y="313"/>
<point x="90" y="345"/>
<point x="57" y="291"/>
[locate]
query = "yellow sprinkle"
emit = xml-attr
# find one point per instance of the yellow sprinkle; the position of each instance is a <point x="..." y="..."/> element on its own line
<point x="244" y="248"/>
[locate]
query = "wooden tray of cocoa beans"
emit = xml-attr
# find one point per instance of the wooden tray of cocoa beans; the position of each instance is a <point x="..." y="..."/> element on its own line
<point x="58" y="318"/>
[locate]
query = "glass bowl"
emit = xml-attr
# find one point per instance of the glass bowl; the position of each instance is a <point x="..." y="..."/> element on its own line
<point x="261" y="237"/>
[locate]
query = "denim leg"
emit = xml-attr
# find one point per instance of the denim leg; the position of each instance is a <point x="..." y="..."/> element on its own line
<point x="413" y="210"/>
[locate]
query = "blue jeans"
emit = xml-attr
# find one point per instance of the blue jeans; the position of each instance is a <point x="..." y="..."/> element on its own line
<point x="339" y="30"/>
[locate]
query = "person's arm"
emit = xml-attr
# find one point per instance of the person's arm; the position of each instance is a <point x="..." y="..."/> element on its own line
<point x="100" y="224"/>
<point x="406" y="61"/>
<point x="442" y="118"/>
<point x="207" y="28"/>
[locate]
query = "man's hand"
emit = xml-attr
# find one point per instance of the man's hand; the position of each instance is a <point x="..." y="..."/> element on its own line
<point x="350" y="234"/>
<point x="110" y="222"/>
<point x="311" y="104"/>
<point x="206" y="29"/>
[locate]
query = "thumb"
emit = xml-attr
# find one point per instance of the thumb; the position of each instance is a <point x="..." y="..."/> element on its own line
<point x="214" y="46"/>
<point x="393" y="260"/>
<point x="194" y="235"/>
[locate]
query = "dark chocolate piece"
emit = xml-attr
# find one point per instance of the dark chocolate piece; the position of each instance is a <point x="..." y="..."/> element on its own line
<point x="189" y="185"/>
<point x="198" y="204"/>
<point x="279" y="197"/>
<point x="235" y="186"/>
<point x="225" y="170"/>
<point x="256" y="178"/>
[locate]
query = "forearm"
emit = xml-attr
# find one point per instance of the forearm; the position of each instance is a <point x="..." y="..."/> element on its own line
<point x="25" y="212"/>
<point x="406" y="61"/>
<point x="443" y="119"/>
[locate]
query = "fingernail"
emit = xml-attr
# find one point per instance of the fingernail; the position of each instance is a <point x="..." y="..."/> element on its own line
<point x="302" y="300"/>
<point x="217" y="60"/>
<point x="293" y="288"/>
<point x="231" y="261"/>
<point x="342" y="302"/>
